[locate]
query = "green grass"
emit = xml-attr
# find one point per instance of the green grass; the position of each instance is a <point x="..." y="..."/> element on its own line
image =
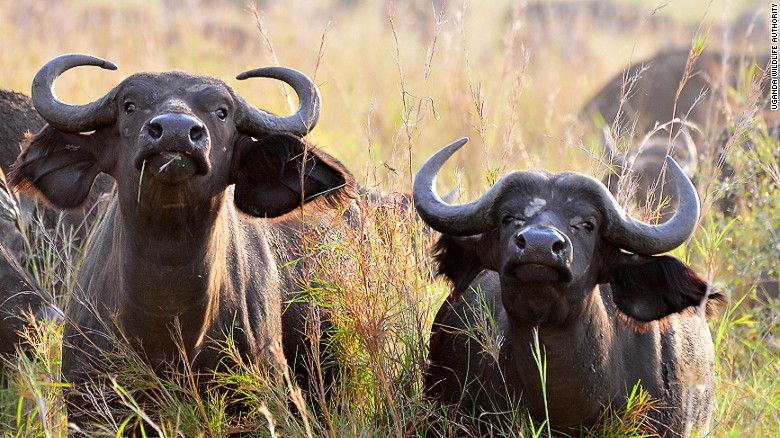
<point x="394" y="90"/>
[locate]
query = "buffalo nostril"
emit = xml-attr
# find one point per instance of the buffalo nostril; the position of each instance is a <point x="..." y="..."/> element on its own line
<point x="155" y="130"/>
<point x="558" y="247"/>
<point x="520" y="241"/>
<point x="197" y="132"/>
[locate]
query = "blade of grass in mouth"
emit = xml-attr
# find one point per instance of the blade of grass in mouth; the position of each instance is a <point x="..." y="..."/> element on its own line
<point x="140" y="181"/>
<point x="172" y="156"/>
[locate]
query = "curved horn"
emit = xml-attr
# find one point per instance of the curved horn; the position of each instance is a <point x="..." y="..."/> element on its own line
<point x="458" y="220"/>
<point x="689" y="156"/>
<point x="620" y="229"/>
<point x="641" y="238"/>
<point x="255" y="121"/>
<point x="614" y="157"/>
<point x="71" y="118"/>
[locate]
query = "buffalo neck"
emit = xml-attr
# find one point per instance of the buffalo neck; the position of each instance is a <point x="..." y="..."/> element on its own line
<point x="172" y="265"/>
<point x="581" y="364"/>
<point x="169" y="279"/>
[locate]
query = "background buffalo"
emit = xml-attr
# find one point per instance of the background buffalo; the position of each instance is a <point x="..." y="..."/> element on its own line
<point x="22" y="299"/>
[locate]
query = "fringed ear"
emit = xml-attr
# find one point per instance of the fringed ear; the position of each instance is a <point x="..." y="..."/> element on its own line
<point x="58" y="166"/>
<point x="461" y="259"/>
<point x="651" y="288"/>
<point x="279" y="173"/>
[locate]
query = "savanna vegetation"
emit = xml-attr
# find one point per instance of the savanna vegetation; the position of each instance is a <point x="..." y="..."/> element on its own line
<point x="400" y="79"/>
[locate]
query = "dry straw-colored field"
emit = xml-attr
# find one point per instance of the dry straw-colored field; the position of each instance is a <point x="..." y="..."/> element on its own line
<point x="399" y="79"/>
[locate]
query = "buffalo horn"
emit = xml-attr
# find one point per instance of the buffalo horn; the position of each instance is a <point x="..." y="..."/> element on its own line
<point x="257" y="122"/>
<point x="619" y="228"/>
<point x="71" y="118"/>
<point x="458" y="220"/>
<point x="641" y="238"/>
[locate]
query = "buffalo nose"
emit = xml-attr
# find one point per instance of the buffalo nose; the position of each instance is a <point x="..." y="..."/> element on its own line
<point x="177" y="126"/>
<point x="542" y="241"/>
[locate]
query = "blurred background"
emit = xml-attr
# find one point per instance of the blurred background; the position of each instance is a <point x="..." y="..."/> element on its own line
<point x="395" y="76"/>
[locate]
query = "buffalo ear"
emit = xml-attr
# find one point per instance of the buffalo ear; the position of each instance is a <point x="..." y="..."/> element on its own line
<point x="461" y="258"/>
<point x="650" y="288"/>
<point x="57" y="165"/>
<point x="278" y="173"/>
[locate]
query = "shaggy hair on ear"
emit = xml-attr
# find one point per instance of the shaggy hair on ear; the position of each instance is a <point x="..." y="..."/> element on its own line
<point x="54" y="170"/>
<point x="648" y="289"/>
<point x="279" y="173"/>
<point x="455" y="259"/>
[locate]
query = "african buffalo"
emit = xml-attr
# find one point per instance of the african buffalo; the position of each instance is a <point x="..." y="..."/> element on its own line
<point x="20" y="295"/>
<point x="645" y="95"/>
<point x="554" y="255"/>
<point x="189" y="244"/>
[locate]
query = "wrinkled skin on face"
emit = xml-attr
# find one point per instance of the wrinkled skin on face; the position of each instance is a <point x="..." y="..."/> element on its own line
<point x="605" y="318"/>
<point x="533" y="248"/>
<point x="189" y="245"/>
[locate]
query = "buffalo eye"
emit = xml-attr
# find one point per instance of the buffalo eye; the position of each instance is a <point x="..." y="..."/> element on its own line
<point x="129" y="108"/>
<point x="221" y="113"/>
<point x="588" y="225"/>
<point x="509" y="220"/>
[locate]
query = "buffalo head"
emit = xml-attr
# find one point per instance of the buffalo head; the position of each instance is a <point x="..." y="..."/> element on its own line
<point x="173" y="140"/>
<point x="558" y="236"/>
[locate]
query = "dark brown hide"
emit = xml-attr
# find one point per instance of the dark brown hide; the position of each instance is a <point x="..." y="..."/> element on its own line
<point x="652" y="98"/>
<point x="190" y="239"/>
<point x="606" y="319"/>
<point x="20" y="298"/>
<point x="17" y="117"/>
<point x="20" y="295"/>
